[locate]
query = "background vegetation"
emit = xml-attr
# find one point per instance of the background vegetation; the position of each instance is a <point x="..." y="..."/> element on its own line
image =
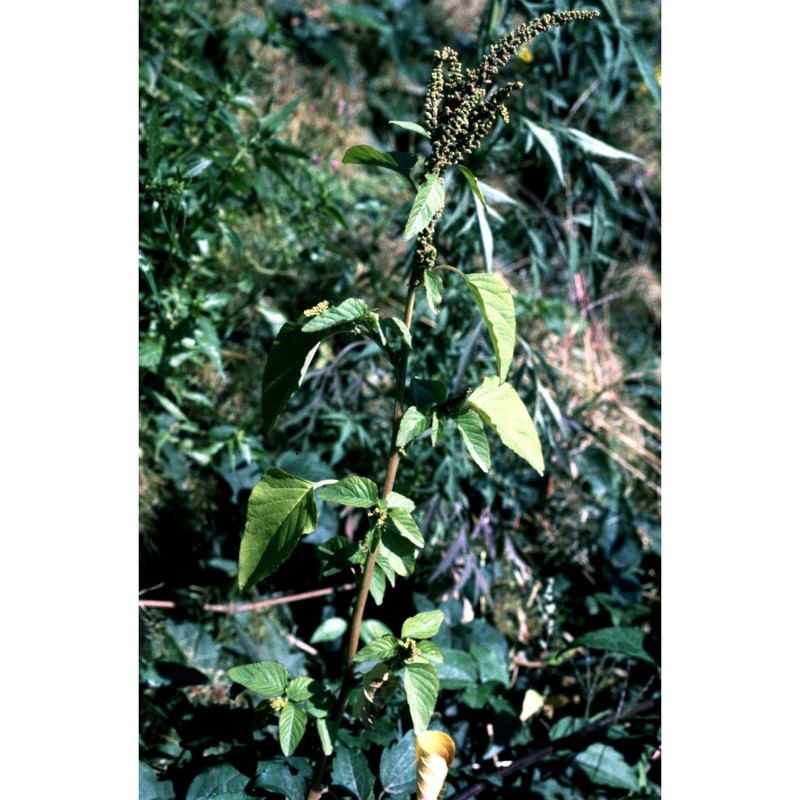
<point x="247" y="218"/>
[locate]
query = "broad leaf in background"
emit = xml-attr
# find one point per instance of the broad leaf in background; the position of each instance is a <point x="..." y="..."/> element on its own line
<point x="421" y="684"/>
<point x="350" y="769"/>
<point x="265" y="677"/>
<point x="397" y="766"/>
<point x="497" y="308"/>
<point x="221" y="782"/>
<point x="401" y="163"/>
<point x="625" y="641"/>
<point x="435" y="751"/>
<point x="428" y="202"/>
<point x="606" y="767"/>
<point x="287" y="363"/>
<point x="281" y="508"/>
<point x="470" y="426"/>
<point x="351" y="491"/>
<point x="503" y="410"/>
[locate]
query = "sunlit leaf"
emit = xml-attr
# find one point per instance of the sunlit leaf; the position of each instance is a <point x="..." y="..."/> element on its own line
<point x="532" y="703"/>
<point x="281" y="508"/>
<point x="333" y="628"/>
<point x="429" y="200"/>
<point x="405" y="525"/>
<point x="548" y="142"/>
<point x="350" y="310"/>
<point x="594" y="147"/>
<point x="503" y="410"/>
<point x="473" y="183"/>
<point x="413" y="423"/>
<point x="351" y="491"/>
<point x="433" y="289"/>
<point x="265" y="677"/>
<point x="410" y="126"/>
<point x="497" y="308"/>
<point x="381" y="649"/>
<point x="424" y="625"/>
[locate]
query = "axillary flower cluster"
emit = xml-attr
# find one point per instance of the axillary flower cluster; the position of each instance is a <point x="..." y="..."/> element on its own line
<point x="461" y="107"/>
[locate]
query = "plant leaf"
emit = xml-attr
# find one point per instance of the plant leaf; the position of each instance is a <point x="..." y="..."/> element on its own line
<point x="399" y="552"/>
<point x="405" y="525"/>
<point x="328" y="631"/>
<point x="288" y="360"/>
<point x="497" y="308"/>
<point x="401" y="328"/>
<point x="503" y="410"/>
<point x="413" y="423"/>
<point x="470" y="426"/>
<point x="325" y="735"/>
<point x="424" y="625"/>
<point x="281" y="508"/>
<point x="594" y="147"/>
<point x="397" y="500"/>
<point x="291" y="727"/>
<point x="430" y="651"/>
<point x="421" y="684"/>
<point x="350" y="310"/>
<point x="433" y="289"/>
<point x="376" y="688"/>
<point x="435" y="751"/>
<point x="550" y="145"/>
<point x="351" y="491"/>
<point x="364" y="154"/>
<point x="397" y="766"/>
<point x="381" y="649"/>
<point x="303" y="688"/>
<point x="606" y="767"/>
<point x="410" y="126"/>
<point x="265" y="677"/>
<point x="429" y="200"/>
<point x="473" y="183"/>
<point x="351" y="770"/>
<point x="624" y="640"/>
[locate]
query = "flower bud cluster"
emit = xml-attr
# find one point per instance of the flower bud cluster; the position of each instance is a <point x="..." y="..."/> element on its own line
<point x="461" y="108"/>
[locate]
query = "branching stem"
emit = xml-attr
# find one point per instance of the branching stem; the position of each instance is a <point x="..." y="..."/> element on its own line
<point x="315" y="792"/>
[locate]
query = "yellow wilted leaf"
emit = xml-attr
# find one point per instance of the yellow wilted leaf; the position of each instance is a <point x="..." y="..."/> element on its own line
<point x="532" y="704"/>
<point x="435" y="753"/>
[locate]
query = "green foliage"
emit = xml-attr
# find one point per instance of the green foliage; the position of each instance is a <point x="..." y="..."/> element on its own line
<point x="243" y="228"/>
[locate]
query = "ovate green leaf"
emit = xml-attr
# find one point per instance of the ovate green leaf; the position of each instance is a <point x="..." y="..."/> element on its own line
<point x="421" y="684"/>
<point x="623" y="640"/>
<point x="497" y="307"/>
<point x="329" y="630"/>
<point x="399" y="552"/>
<point x="413" y="423"/>
<point x="422" y="626"/>
<point x="377" y="586"/>
<point x="351" y="491"/>
<point x="430" y="651"/>
<point x="281" y="508"/>
<point x="350" y="310"/>
<point x="325" y="735"/>
<point x="397" y="500"/>
<point x="265" y="677"/>
<point x="606" y="767"/>
<point x="364" y="154"/>
<point x="433" y="289"/>
<point x="405" y="525"/>
<point x="503" y="410"/>
<point x="291" y="727"/>
<point x="380" y="649"/>
<point x="287" y="363"/>
<point x="429" y="200"/>
<point x="470" y="426"/>
<point x="351" y="770"/>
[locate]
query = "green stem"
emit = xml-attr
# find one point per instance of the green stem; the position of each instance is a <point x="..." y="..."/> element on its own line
<point x="315" y="792"/>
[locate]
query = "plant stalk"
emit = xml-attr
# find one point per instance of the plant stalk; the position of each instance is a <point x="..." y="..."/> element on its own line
<point x="315" y="792"/>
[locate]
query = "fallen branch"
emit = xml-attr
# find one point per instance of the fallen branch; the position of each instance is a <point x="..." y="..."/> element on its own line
<point x="231" y="608"/>
<point x="565" y="743"/>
